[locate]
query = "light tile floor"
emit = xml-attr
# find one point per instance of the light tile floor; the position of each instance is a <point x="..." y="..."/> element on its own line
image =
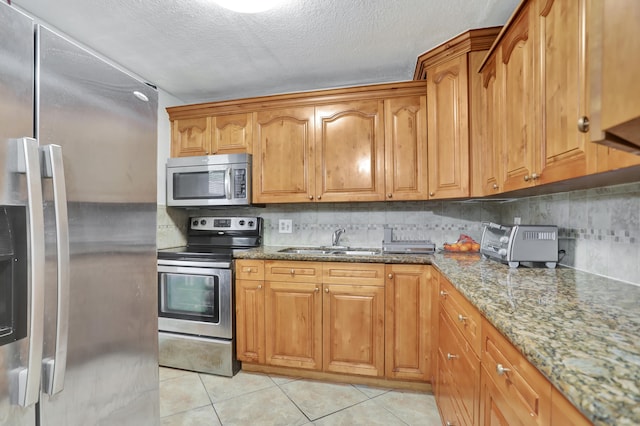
<point x="195" y="399"/>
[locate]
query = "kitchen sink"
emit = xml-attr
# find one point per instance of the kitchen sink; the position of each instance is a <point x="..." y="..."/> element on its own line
<point x="346" y="251"/>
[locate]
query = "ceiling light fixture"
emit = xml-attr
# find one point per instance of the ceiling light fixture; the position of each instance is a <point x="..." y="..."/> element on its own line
<point x="248" y="6"/>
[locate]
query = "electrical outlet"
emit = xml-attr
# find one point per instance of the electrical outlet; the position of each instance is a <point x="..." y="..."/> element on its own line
<point x="516" y="220"/>
<point x="285" y="226"/>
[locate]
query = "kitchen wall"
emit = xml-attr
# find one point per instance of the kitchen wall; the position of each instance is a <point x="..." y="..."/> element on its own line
<point x="599" y="228"/>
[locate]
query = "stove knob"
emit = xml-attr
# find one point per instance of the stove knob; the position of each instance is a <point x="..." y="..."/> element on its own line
<point x="195" y="223"/>
<point x="502" y="252"/>
<point x="504" y="239"/>
<point x="241" y="223"/>
<point x="203" y="222"/>
<point x="250" y="223"/>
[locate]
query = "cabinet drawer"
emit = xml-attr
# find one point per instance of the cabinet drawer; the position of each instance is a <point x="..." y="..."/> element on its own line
<point x="247" y="269"/>
<point x="293" y="271"/>
<point x="520" y="383"/>
<point x="466" y="318"/>
<point x="353" y="273"/>
<point x="461" y="365"/>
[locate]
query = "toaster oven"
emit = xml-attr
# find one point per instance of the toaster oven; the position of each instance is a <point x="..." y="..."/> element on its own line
<point x="514" y="244"/>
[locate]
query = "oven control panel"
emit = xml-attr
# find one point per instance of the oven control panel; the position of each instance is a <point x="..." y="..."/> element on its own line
<point x="211" y="223"/>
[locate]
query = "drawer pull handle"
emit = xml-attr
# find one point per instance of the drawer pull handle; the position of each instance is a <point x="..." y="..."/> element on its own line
<point x="501" y="370"/>
<point x="462" y="318"/>
<point x="443" y="293"/>
<point x="452" y="356"/>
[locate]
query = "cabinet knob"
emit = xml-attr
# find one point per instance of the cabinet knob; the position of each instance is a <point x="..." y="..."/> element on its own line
<point x="390" y="276"/>
<point x="326" y="290"/>
<point x="535" y="176"/>
<point x="501" y="370"/>
<point x="319" y="197"/>
<point x="432" y="194"/>
<point x="450" y="424"/>
<point x="583" y="124"/>
<point x="389" y="195"/>
<point x="495" y="186"/>
<point x="461" y="318"/>
<point x="452" y="356"/>
<point x="443" y="293"/>
<point x="311" y="197"/>
<point x="259" y="286"/>
<point x="293" y="271"/>
<point x="526" y="178"/>
<point x="316" y="289"/>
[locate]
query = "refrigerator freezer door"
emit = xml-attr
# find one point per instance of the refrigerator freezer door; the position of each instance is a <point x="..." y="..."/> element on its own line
<point x="16" y="121"/>
<point x="108" y="140"/>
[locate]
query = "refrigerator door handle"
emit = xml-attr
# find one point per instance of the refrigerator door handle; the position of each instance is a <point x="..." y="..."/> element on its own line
<point x="54" y="369"/>
<point x="27" y="390"/>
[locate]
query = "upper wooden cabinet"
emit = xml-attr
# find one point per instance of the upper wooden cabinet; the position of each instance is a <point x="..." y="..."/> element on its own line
<point x="190" y="136"/>
<point x="350" y="151"/>
<point x="225" y="134"/>
<point x="566" y="151"/>
<point x="453" y="88"/>
<point x="283" y="160"/>
<point x="620" y="64"/>
<point x="405" y="125"/>
<point x="332" y="146"/>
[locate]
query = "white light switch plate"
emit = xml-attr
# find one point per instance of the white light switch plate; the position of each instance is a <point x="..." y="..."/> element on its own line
<point x="285" y="226"/>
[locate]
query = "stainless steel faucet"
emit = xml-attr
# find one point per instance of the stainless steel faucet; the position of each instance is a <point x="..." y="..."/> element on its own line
<point x="335" y="238"/>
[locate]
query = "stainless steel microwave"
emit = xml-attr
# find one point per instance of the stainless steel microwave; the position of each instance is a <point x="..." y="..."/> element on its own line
<point x="209" y="181"/>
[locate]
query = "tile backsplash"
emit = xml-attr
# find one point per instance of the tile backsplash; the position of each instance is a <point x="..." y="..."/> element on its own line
<point x="599" y="228"/>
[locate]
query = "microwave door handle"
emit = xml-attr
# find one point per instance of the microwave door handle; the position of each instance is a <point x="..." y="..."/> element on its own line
<point x="227" y="183"/>
<point x="54" y="369"/>
<point x="27" y="390"/>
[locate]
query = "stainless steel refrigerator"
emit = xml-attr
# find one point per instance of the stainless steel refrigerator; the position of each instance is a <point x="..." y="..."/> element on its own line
<point x="78" y="292"/>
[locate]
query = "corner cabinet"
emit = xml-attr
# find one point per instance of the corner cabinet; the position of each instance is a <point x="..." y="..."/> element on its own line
<point x="337" y="318"/>
<point x="453" y="97"/>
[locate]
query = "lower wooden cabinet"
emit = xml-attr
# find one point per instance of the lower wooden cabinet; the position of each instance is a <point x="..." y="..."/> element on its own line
<point x="293" y="324"/>
<point x="408" y="328"/>
<point x="513" y="390"/>
<point x="361" y="319"/>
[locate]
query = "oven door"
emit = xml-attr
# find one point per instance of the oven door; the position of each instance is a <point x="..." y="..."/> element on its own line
<point x="195" y="300"/>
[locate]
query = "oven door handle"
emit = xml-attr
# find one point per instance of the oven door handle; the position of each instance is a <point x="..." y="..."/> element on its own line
<point x="172" y="265"/>
<point x="188" y="270"/>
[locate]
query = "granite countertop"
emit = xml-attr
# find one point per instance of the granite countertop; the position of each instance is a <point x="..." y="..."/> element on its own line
<point x="582" y="331"/>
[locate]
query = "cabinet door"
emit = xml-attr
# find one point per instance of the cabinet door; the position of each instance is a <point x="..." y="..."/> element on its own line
<point x="563" y="90"/>
<point x="489" y="167"/>
<point x="350" y="151"/>
<point x="293" y="325"/>
<point x="250" y="333"/>
<point x="353" y="318"/>
<point x="620" y="64"/>
<point x="448" y="129"/>
<point x="495" y="409"/>
<point x="406" y="148"/>
<point x="283" y="160"/>
<point x="516" y="72"/>
<point x="515" y="385"/>
<point x="407" y="322"/>
<point x="191" y="137"/>
<point x="564" y="413"/>
<point x="232" y="134"/>
<point x="461" y="369"/>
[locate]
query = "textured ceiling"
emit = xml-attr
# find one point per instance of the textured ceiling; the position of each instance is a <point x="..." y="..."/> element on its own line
<point x="199" y="52"/>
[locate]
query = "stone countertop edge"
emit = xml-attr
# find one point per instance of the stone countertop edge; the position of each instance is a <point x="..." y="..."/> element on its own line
<point x="580" y="330"/>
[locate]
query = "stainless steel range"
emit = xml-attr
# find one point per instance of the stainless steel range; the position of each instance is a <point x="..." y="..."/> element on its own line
<point x="195" y="289"/>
